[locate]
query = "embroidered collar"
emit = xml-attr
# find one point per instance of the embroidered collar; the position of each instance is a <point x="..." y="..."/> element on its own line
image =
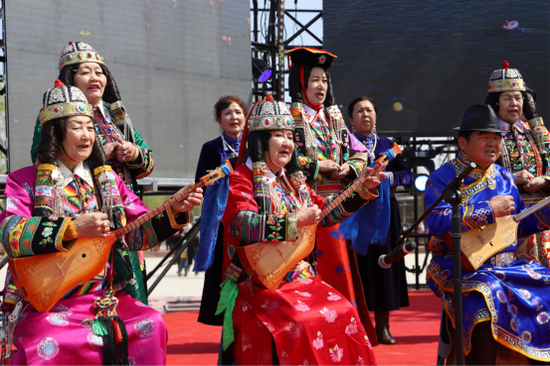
<point x="463" y="161"/>
<point x="82" y="170"/>
<point x="310" y="113"/>
<point x="363" y="137"/>
<point x="230" y="140"/>
<point x="505" y="126"/>
<point x="270" y="174"/>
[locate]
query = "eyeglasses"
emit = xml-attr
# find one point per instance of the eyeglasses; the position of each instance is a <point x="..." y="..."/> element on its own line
<point x="508" y="100"/>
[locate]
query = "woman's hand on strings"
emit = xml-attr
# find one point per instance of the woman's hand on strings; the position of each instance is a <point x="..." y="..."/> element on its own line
<point x="92" y="225"/>
<point x="373" y="179"/>
<point x="308" y="215"/>
<point x="194" y="199"/>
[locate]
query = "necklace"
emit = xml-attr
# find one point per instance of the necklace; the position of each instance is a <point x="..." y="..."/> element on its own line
<point x="366" y="141"/>
<point x="227" y="146"/>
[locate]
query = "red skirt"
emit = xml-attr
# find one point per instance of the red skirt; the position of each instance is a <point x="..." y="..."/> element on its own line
<point x="310" y="322"/>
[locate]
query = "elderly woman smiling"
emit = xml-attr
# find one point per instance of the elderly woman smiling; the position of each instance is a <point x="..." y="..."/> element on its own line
<point x="74" y="194"/>
<point x="268" y="200"/>
<point x="127" y="152"/>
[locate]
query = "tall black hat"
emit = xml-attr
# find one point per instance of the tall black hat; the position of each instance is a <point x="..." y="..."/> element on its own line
<point x="311" y="57"/>
<point x="479" y="117"/>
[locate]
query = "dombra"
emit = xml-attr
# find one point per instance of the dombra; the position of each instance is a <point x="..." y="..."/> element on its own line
<point x="267" y="263"/>
<point x="43" y="279"/>
<point x="511" y="25"/>
<point x="479" y="244"/>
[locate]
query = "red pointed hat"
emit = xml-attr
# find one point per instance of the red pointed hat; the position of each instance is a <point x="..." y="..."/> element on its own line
<point x="311" y="57"/>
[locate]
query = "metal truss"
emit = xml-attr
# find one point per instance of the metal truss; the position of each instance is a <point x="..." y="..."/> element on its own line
<point x="270" y="39"/>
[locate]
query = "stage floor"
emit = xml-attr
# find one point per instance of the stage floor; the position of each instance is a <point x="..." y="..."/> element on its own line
<point x="415" y="329"/>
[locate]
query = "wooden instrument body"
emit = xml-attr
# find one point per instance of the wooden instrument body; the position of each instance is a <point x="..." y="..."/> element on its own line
<point x="479" y="244"/>
<point x="44" y="279"/>
<point x="267" y="263"/>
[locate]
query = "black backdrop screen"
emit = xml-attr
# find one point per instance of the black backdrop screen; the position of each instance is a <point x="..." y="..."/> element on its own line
<point x="432" y="57"/>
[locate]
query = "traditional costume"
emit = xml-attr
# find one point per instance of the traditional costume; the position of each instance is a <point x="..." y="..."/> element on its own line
<point x="510" y="293"/>
<point x="41" y="204"/>
<point x="305" y="320"/>
<point x="112" y="123"/>
<point x="321" y="134"/>
<point x="213" y="154"/>
<point x="385" y="289"/>
<point x="525" y="146"/>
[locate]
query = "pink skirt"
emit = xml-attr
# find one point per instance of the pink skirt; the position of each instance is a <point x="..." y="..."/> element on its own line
<point x="60" y="337"/>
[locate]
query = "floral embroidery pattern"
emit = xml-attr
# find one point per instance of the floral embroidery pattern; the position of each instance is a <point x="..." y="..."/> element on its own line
<point x="271" y="304"/>
<point x="246" y="343"/>
<point x="264" y="358"/>
<point x="284" y="360"/>
<point x="303" y="294"/>
<point x="333" y="297"/>
<point x="48" y="348"/>
<point x="302" y="307"/>
<point x="294" y="330"/>
<point x="330" y="315"/>
<point x="318" y="342"/>
<point x="269" y="327"/>
<point x="352" y="327"/>
<point x="336" y="353"/>
<point x="47" y="232"/>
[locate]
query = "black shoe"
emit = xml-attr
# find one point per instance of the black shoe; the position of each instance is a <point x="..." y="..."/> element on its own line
<point x="384" y="336"/>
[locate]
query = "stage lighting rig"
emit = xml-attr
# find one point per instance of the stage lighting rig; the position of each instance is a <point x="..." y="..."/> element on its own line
<point x="419" y="158"/>
<point x="261" y="71"/>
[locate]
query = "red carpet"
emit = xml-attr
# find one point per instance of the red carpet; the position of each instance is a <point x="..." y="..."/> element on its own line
<point x="415" y="329"/>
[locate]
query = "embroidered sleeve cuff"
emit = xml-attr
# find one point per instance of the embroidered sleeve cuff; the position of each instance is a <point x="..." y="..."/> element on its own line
<point x="390" y="177"/>
<point x="536" y="122"/>
<point x="178" y="220"/>
<point x="233" y="272"/>
<point x="291" y="226"/>
<point x="137" y="160"/>
<point x="65" y="230"/>
<point x="366" y="194"/>
<point x="479" y="214"/>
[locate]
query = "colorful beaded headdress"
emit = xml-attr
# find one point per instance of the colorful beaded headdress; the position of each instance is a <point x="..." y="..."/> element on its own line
<point x="77" y="53"/>
<point x="505" y="79"/>
<point x="63" y="101"/>
<point x="269" y="115"/>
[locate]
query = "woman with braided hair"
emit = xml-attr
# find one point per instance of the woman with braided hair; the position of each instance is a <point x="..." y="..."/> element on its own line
<point x="127" y="152"/>
<point x="74" y="194"/>
<point x="304" y="320"/>
<point x="525" y="150"/>
<point x="331" y="158"/>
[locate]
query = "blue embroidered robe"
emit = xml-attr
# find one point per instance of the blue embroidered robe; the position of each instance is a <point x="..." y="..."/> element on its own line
<point x="515" y="299"/>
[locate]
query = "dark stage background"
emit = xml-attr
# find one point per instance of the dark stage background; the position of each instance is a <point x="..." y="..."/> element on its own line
<point x="433" y="57"/>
